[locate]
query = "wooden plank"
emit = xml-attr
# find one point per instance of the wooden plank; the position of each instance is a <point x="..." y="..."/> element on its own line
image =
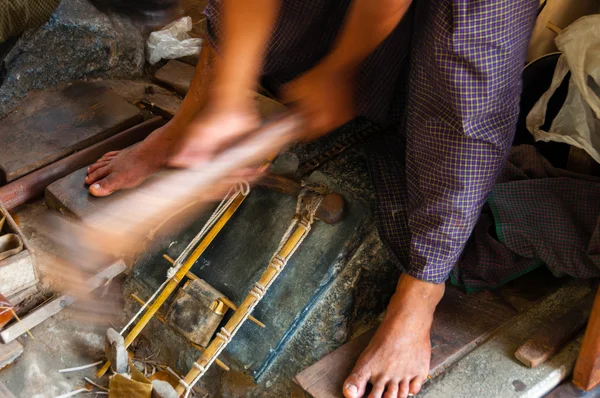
<point x="176" y="75"/>
<point x="550" y="338"/>
<point x="53" y="124"/>
<point x="53" y="307"/>
<point x="460" y="324"/>
<point x="32" y="185"/>
<point x="164" y="105"/>
<point x="8" y="354"/>
<point x="70" y="197"/>
<point x="587" y="369"/>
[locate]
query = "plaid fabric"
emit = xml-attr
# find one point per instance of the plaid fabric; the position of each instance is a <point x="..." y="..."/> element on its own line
<point x="463" y="101"/>
<point x="304" y="34"/>
<point x="537" y="215"/>
<point x="18" y="15"/>
<point x="463" y="83"/>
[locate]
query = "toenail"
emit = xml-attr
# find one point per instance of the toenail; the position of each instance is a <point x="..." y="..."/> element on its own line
<point x="351" y="388"/>
<point x="96" y="186"/>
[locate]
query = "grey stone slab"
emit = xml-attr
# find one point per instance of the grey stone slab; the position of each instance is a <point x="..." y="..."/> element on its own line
<point x="78" y="42"/>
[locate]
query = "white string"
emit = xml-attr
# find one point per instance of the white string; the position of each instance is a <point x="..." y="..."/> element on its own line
<point x="243" y="188"/>
<point x="91" y="365"/>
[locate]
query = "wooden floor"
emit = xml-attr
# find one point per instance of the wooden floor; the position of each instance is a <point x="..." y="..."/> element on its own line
<point x="462" y="322"/>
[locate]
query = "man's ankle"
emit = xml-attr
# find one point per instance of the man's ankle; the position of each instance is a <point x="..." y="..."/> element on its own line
<point x="414" y="294"/>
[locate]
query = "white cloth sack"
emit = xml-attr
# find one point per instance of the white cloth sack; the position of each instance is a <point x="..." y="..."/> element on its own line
<point x="577" y="122"/>
<point x="172" y="42"/>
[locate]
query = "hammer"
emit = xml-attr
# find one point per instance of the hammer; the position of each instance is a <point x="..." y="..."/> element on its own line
<point x="331" y="209"/>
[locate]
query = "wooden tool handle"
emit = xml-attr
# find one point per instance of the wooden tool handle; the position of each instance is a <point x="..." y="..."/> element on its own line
<point x="331" y="209"/>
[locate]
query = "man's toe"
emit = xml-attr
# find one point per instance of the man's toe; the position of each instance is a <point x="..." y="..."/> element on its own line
<point x="356" y="384"/>
<point x="377" y="391"/>
<point x="109" y="155"/>
<point x="415" y="385"/>
<point x="391" y="391"/>
<point x="403" y="390"/>
<point x="97" y="165"/>
<point x="97" y="175"/>
<point x="105" y="186"/>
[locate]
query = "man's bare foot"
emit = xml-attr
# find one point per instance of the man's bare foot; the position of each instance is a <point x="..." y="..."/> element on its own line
<point x="396" y="362"/>
<point x="129" y="167"/>
<point x="175" y="144"/>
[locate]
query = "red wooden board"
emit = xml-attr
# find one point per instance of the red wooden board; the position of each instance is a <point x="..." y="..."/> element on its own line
<point x="50" y="125"/>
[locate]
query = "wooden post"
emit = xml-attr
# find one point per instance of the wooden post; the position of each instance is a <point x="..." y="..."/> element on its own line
<point x="587" y="369"/>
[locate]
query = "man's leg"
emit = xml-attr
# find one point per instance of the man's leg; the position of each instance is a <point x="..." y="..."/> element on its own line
<point x="464" y="91"/>
<point x="396" y="361"/>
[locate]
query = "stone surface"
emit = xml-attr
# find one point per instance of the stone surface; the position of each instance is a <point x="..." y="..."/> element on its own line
<point x="78" y="42"/>
<point x="250" y="239"/>
<point x="60" y="342"/>
<point x="492" y="370"/>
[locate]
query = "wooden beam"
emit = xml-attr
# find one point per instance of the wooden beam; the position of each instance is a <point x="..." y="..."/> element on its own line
<point x="53" y="307"/>
<point x="587" y="369"/>
<point x="8" y="354"/>
<point x="32" y="185"/>
<point x="550" y="338"/>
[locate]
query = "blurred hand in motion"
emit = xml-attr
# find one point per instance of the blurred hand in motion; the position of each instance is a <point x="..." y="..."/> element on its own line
<point x="324" y="97"/>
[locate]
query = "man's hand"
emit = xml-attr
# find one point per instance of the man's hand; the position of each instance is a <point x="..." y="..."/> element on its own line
<point x="324" y="97"/>
<point x="215" y="128"/>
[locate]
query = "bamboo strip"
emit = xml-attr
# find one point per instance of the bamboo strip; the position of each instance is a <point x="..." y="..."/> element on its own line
<point x="189" y="262"/>
<point x="268" y="276"/>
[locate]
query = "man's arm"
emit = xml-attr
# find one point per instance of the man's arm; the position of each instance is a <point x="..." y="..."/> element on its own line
<point x="247" y="27"/>
<point x="230" y="112"/>
<point x="324" y="94"/>
<point x="367" y="25"/>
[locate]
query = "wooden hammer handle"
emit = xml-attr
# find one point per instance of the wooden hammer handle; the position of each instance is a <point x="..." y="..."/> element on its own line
<point x="331" y="209"/>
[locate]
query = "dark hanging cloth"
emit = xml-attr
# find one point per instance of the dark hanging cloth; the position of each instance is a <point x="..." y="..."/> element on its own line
<point x="536" y="215"/>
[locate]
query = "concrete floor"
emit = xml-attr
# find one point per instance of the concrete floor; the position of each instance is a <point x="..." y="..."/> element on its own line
<point x="61" y="342"/>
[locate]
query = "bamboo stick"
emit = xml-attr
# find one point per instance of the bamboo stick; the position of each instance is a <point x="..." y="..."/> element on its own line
<point x="137" y="329"/>
<point x="196" y="346"/>
<point x="242" y="313"/>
